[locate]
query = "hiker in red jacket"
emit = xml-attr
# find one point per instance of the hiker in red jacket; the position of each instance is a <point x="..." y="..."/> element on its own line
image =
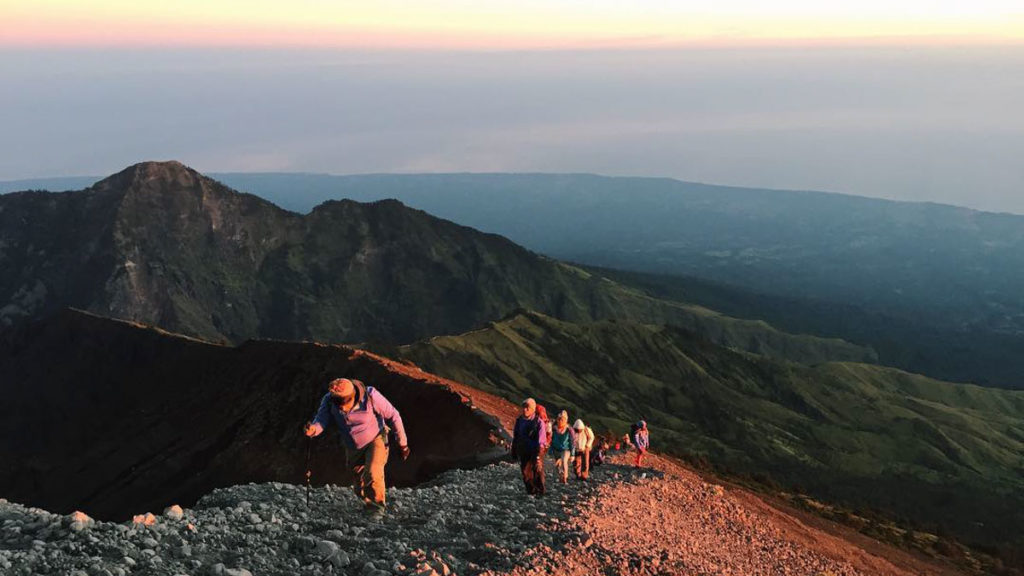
<point x="641" y="440"/>
<point x="542" y="413"/>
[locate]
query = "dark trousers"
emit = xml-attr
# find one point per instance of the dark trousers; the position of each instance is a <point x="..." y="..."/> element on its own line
<point x="581" y="464"/>
<point x="533" y="474"/>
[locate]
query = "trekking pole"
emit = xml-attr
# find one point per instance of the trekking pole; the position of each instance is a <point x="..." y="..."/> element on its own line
<point x="309" y="471"/>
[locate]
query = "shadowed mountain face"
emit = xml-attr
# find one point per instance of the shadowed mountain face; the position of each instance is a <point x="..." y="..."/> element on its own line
<point x="944" y="455"/>
<point x="115" y="419"/>
<point x="161" y="244"/>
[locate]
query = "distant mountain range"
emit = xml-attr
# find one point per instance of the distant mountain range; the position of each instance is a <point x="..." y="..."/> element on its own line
<point x="946" y="456"/>
<point x="161" y="244"/>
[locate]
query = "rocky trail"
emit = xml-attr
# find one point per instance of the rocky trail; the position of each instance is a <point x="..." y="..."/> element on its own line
<point x="660" y="520"/>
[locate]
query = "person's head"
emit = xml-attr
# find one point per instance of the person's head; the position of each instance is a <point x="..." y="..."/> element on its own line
<point x="529" y="407"/>
<point x="578" y="425"/>
<point x="563" y="419"/>
<point x="343" y="393"/>
<point x="643" y="425"/>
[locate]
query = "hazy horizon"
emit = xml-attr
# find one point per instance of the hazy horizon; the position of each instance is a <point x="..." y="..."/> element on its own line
<point x="922" y="123"/>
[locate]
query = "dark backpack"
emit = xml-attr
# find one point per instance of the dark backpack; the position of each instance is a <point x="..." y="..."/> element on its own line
<point x="633" y="429"/>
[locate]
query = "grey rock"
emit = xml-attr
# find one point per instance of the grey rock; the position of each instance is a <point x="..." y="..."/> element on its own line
<point x="339" y="559"/>
<point x="325" y="548"/>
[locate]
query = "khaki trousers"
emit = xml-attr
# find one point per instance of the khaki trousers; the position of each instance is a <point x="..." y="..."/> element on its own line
<point x="367" y="465"/>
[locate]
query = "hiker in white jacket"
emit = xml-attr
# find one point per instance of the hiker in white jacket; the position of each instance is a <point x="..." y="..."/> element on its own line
<point x="584" y="443"/>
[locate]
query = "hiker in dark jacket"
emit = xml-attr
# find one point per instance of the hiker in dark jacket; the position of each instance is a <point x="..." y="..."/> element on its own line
<point x="528" y="439"/>
<point x="360" y="413"/>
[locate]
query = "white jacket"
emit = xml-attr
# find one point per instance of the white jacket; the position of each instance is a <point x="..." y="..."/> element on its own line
<point x="584" y="439"/>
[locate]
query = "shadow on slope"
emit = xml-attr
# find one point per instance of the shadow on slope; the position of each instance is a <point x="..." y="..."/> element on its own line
<point x="115" y="418"/>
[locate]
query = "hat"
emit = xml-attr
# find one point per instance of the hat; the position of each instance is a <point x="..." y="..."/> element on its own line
<point x="341" y="387"/>
<point x="529" y="402"/>
<point x="578" y="425"/>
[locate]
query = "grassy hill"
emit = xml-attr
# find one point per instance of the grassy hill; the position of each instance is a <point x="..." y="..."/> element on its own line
<point x="946" y="456"/>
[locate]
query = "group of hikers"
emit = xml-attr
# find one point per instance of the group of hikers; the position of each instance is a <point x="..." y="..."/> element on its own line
<point x="369" y="424"/>
<point x="535" y="435"/>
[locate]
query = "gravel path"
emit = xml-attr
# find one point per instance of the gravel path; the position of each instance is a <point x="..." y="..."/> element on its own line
<point x="467" y="522"/>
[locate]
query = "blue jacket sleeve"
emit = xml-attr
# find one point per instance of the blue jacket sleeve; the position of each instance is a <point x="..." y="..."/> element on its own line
<point x="387" y="411"/>
<point x="323" y="413"/>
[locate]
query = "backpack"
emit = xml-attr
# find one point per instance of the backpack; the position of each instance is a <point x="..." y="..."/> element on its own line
<point x="389" y="434"/>
<point x="633" y="429"/>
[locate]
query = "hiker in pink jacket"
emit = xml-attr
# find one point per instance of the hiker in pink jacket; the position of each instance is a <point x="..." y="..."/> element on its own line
<point x="360" y="413"/>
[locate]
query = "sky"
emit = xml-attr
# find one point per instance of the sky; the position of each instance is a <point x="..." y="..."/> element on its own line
<point x="915" y="100"/>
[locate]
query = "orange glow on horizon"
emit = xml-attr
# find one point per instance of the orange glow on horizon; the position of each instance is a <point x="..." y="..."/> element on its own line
<point x="526" y="24"/>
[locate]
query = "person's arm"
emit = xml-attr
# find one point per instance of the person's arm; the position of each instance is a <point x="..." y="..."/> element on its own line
<point x="321" y="418"/>
<point x="542" y="434"/>
<point x="388" y="412"/>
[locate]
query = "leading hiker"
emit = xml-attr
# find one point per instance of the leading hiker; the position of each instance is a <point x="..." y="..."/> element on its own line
<point x="528" y="440"/>
<point x="360" y="412"/>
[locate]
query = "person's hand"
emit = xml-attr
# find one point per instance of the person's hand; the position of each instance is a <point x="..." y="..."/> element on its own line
<point x="404" y="451"/>
<point x="312" y="429"/>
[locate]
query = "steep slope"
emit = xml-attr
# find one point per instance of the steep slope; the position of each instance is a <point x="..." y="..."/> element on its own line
<point x="112" y="418"/>
<point x="624" y="523"/>
<point x="953" y="274"/>
<point x="161" y="244"/>
<point x="943" y="455"/>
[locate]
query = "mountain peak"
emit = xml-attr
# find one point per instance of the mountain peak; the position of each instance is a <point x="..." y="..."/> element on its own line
<point x="158" y="174"/>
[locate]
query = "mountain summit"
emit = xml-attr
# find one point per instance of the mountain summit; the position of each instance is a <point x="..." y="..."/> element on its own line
<point x="153" y="173"/>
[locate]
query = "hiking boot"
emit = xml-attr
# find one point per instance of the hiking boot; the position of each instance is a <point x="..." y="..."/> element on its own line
<point x="375" y="510"/>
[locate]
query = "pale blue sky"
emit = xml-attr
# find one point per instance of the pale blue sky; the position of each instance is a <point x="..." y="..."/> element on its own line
<point x="920" y="123"/>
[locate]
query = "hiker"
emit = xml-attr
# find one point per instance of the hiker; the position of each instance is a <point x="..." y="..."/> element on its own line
<point x="528" y="438"/>
<point x="583" y="444"/>
<point x="641" y="440"/>
<point x="360" y="413"/>
<point x="542" y="413"/>
<point x="597" y="458"/>
<point x="562" y="445"/>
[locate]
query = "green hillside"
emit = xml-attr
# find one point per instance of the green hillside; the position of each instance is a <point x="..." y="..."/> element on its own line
<point x="946" y="281"/>
<point x="945" y="456"/>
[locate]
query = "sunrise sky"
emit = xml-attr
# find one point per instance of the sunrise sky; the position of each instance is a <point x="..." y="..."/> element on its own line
<point x="500" y="24"/>
<point x="904" y="99"/>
